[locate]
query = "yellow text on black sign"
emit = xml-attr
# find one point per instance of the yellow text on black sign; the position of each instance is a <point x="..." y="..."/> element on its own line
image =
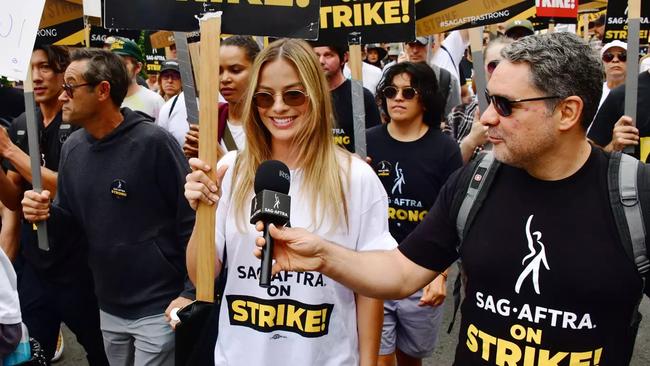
<point x="357" y="14"/>
<point x="267" y="316"/>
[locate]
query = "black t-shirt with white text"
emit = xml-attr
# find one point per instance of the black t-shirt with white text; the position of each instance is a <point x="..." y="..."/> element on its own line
<point x="548" y="281"/>
<point x="412" y="173"/>
<point x="342" y="103"/>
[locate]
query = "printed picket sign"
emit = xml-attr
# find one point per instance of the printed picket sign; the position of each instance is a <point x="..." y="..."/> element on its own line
<point x="616" y="27"/>
<point x="438" y="16"/>
<point x="372" y="21"/>
<point x="275" y="18"/>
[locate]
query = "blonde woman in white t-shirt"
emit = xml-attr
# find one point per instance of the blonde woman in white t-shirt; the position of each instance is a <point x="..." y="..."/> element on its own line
<point x="302" y="318"/>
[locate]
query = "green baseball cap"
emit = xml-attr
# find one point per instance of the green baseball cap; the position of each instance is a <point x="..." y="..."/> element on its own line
<point x="126" y="47"/>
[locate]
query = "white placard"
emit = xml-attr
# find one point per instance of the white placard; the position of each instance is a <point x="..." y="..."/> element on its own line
<point x="93" y="8"/>
<point x="18" y="26"/>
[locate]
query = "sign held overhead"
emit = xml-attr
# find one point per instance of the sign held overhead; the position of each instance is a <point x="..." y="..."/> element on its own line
<point x="275" y="18"/>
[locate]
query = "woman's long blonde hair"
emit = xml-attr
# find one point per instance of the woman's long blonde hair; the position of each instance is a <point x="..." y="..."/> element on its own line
<point x="317" y="155"/>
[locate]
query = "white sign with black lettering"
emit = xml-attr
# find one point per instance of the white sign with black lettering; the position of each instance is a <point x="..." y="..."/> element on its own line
<point x="18" y="26"/>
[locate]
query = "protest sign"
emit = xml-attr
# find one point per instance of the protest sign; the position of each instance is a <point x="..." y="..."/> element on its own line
<point x="61" y="24"/>
<point x="438" y="16"/>
<point x="18" y="26"/>
<point x="98" y="35"/>
<point x="275" y="18"/>
<point x="162" y="39"/>
<point x="616" y="26"/>
<point x="557" y="10"/>
<point x="373" y="21"/>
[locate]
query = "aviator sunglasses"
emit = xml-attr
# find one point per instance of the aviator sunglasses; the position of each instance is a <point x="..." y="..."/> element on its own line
<point x="390" y="92"/>
<point x="609" y="56"/>
<point x="503" y="105"/>
<point x="292" y="98"/>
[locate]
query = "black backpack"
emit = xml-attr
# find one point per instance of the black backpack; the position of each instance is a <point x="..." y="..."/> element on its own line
<point x="628" y="182"/>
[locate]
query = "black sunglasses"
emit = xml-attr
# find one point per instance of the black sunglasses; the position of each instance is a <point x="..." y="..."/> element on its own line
<point x="609" y="57"/>
<point x="69" y="88"/>
<point x="492" y="65"/>
<point x="390" y="92"/>
<point x="292" y="98"/>
<point x="503" y="105"/>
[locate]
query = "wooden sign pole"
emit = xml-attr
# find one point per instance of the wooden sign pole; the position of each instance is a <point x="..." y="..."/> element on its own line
<point x="206" y="215"/>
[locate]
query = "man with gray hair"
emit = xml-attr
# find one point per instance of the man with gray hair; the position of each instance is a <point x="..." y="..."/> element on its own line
<point x="546" y="282"/>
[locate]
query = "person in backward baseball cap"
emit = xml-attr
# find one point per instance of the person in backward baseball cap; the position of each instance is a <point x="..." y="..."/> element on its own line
<point x="519" y="28"/>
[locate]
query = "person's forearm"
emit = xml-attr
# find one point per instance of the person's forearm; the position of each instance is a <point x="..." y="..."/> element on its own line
<point x="21" y="162"/>
<point x="467" y="148"/>
<point x="377" y="274"/>
<point x="10" y="232"/>
<point x="9" y="192"/>
<point x="370" y="320"/>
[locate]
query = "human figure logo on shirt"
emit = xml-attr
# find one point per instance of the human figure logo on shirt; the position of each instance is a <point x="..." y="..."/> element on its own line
<point x="399" y="180"/>
<point x="535" y="258"/>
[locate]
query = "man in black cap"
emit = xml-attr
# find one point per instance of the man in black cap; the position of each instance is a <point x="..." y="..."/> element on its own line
<point x="375" y="55"/>
<point x="416" y="51"/>
<point x="170" y="79"/>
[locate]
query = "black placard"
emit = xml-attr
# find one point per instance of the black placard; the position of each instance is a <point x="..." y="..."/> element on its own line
<point x="275" y="18"/>
<point x="616" y="24"/>
<point x="438" y="16"/>
<point x="372" y="21"/>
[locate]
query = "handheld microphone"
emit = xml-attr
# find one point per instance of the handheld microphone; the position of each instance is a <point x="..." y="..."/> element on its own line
<point x="271" y="205"/>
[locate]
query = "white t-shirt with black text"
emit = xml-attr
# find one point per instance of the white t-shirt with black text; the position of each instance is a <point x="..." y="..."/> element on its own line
<point x="303" y="318"/>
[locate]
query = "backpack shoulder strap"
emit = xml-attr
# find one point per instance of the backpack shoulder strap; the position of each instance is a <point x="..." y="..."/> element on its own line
<point x="473" y="185"/>
<point x="623" y="175"/>
<point x="476" y="188"/>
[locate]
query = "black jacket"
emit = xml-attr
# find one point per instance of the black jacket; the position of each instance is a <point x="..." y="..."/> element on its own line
<point x="126" y="193"/>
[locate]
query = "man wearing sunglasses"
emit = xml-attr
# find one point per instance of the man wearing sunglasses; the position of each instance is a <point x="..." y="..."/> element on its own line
<point x="120" y="185"/>
<point x="548" y="279"/>
<point x="614" y="131"/>
<point x="413" y="158"/>
<point x="614" y="56"/>
<point x="54" y="286"/>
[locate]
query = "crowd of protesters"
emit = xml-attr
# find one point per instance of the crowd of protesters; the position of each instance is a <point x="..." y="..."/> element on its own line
<point x="122" y="180"/>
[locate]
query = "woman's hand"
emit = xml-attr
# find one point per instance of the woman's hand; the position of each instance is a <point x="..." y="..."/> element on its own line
<point x="199" y="187"/>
